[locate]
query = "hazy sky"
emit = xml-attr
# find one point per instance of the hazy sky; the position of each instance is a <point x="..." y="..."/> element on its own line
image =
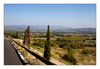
<point x="67" y="15"/>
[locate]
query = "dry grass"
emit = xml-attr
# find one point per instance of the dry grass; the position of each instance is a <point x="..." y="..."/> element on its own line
<point x="81" y="59"/>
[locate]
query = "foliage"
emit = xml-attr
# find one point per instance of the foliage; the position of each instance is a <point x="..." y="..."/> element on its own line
<point x="88" y="52"/>
<point x="13" y="34"/>
<point x="17" y="35"/>
<point x="75" y="42"/>
<point x="39" y="42"/>
<point x="6" y="34"/>
<point x="69" y="58"/>
<point x="47" y="48"/>
<point x="27" y="36"/>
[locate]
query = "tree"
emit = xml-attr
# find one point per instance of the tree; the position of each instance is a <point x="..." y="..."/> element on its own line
<point x="17" y="35"/>
<point x="47" y="48"/>
<point x="26" y="41"/>
<point x="27" y="36"/>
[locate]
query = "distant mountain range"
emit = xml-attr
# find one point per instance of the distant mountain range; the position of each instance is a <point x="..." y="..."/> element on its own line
<point x="39" y="28"/>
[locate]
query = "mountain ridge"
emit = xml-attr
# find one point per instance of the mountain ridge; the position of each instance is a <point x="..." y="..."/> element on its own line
<point x="40" y="28"/>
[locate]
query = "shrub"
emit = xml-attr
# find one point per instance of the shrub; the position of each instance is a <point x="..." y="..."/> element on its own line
<point x="69" y="58"/>
<point x="87" y="52"/>
<point x="39" y="43"/>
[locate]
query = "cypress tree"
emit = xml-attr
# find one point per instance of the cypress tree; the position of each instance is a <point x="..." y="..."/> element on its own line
<point x="27" y="36"/>
<point x="26" y="42"/>
<point x="47" y="48"/>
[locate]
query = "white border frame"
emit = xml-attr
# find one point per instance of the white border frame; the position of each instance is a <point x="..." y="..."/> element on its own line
<point x="2" y="2"/>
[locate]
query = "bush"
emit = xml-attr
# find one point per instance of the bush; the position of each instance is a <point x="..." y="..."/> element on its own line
<point x="69" y="58"/>
<point x="39" y="43"/>
<point x="87" y="52"/>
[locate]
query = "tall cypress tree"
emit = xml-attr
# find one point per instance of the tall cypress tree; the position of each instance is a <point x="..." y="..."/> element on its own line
<point x="47" y="48"/>
<point x="27" y="36"/>
<point x="26" y="41"/>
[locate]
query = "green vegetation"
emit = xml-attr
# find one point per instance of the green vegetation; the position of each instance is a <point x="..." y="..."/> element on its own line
<point x="38" y="42"/>
<point x="69" y="58"/>
<point x="68" y="48"/>
<point x="88" y="52"/>
<point x="47" y="49"/>
<point x="17" y="35"/>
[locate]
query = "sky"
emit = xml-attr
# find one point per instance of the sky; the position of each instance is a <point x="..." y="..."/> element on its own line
<point x="66" y="15"/>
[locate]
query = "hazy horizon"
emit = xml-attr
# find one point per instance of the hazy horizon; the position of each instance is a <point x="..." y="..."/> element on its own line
<point x="50" y="26"/>
<point x="64" y="15"/>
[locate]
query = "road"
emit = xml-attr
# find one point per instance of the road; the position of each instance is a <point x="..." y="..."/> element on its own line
<point x="10" y="55"/>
